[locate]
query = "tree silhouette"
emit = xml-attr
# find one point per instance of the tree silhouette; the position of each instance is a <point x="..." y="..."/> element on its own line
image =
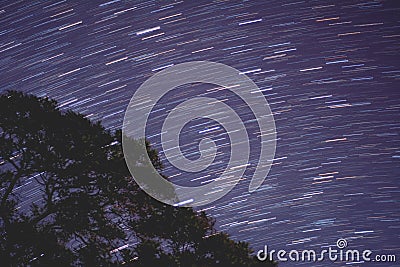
<point x="81" y="193"/>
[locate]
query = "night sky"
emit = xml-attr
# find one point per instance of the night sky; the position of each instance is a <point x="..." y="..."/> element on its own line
<point x="330" y="71"/>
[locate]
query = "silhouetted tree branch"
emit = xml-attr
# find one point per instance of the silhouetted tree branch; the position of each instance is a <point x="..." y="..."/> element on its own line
<point x="84" y="193"/>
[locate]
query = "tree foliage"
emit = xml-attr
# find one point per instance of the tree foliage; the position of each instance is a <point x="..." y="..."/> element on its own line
<point x="82" y="196"/>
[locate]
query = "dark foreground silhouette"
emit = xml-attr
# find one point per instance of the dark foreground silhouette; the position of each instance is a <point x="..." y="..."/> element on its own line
<point x="82" y="207"/>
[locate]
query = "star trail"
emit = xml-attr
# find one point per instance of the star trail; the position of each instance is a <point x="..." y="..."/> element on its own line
<point x="329" y="70"/>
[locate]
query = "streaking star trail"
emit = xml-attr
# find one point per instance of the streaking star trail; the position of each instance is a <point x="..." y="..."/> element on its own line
<point x="329" y="70"/>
